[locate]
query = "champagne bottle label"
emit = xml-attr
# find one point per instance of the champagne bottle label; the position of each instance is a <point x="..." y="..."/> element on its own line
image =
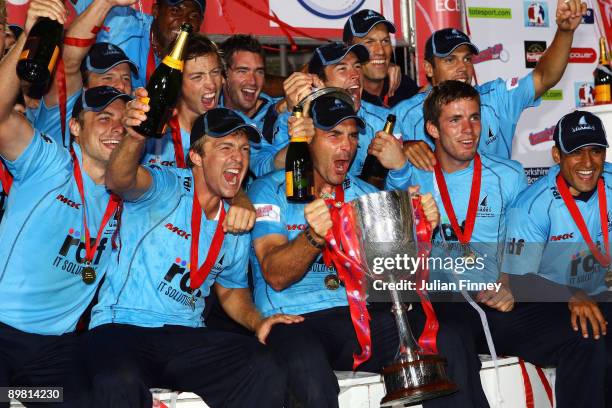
<point x="24" y="54"/>
<point x="53" y="59"/>
<point x="298" y="139"/>
<point x="603" y="93"/>
<point x="289" y="183"/>
<point x="173" y="63"/>
<point x="144" y="99"/>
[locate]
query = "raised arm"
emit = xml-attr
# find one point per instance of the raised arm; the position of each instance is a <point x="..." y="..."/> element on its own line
<point x="124" y="174"/>
<point x="551" y="66"/>
<point x="15" y="131"/>
<point x="285" y="262"/>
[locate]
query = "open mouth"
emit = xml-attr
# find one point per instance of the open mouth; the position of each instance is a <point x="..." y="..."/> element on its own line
<point x="231" y="176"/>
<point x="355" y="92"/>
<point x="248" y="94"/>
<point x="341" y="166"/>
<point x="378" y="63"/>
<point x="110" y="143"/>
<point x="585" y="175"/>
<point x="468" y="143"/>
<point x="209" y="100"/>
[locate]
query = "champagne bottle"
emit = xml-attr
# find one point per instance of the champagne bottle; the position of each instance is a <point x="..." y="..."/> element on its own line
<point x="39" y="55"/>
<point x="603" y="76"/>
<point x="163" y="88"/>
<point x="373" y="171"/>
<point x="299" y="178"/>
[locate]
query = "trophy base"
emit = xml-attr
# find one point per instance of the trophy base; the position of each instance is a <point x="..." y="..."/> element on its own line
<point x="410" y="382"/>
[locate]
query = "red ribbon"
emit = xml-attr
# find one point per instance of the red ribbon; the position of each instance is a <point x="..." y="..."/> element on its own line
<point x="529" y="402"/>
<point x="427" y="340"/>
<point x="6" y="180"/>
<point x="342" y="240"/>
<point x="113" y="204"/>
<point x="79" y="42"/>
<point x="464" y="235"/>
<point x="177" y="141"/>
<point x="60" y="82"/>
<point x="546" y="384"/>
<point x="604" y="260"/>
<point x="199" y="275"/>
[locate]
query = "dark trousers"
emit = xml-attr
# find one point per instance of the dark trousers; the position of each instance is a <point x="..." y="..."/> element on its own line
<point x="326" y="341"/>
<point x="224" y="369"/>
<point x="34" y="360"/>
<point x="541" y="334"/>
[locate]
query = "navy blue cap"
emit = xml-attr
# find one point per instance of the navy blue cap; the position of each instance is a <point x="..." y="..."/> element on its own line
<point x="327" y="112"/>
<point x="333" y="53"/>
<point x="579" y="129"/>
<point x="97" y="98"/>
<point x="15" y="29"/>
<point x="445" y="41"/>
<point x="104" y="56"/>
<point x="200" y="3"/>
<point x="362" y="22"/>
<point x="220" y="122"/>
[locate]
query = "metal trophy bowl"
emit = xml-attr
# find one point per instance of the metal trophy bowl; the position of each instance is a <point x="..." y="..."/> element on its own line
<point x="386" y="229"/>
<point x="331" y="92"/>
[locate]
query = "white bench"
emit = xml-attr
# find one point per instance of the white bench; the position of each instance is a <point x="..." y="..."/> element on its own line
<point x="365" y="390"/>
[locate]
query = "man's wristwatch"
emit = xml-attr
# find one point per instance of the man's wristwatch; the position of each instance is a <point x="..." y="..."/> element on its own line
<point x="311" y="239"/>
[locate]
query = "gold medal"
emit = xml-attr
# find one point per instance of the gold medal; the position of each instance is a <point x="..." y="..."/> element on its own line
<point x="192" y="302"/>
<point x="332" y="282"/>
<point x="468" y="254"/>
<point x="88" y="274"/>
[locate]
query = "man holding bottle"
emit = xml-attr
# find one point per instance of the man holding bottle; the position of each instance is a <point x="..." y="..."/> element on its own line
<point x="147" y="328"/>
<point x="57" y="232"/>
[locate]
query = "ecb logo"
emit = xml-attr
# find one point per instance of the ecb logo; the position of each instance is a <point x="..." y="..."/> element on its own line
<point x="332" y="9"/>
<point x="536" y="13"/>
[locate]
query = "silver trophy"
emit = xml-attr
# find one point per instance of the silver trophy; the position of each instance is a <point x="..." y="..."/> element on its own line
<point x="386" y="228"/>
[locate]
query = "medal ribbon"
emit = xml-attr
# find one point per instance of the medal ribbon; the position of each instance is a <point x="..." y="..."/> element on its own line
<point x="570" y="203"/>
<point x="199" y="275"/>
<point x="113" y="204"/>
<point x="343" y="251"/>
<point x="6" y="180"/>
<point x="179" y="153"/>
<point x="464" y="235"/>
<point x="424" y="232"/>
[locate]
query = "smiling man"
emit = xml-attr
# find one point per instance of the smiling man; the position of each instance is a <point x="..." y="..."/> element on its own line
<point x="371" y="29"/>
<point x="559" y="230"/>
<point x="56" y="233"/>
<point x="448" y="56"/>
<point x="147" y="328"/>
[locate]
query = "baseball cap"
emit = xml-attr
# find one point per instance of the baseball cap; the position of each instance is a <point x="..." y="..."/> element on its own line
<point x="15" y="29"/>
<point x="220" y="122"/>
<point x="333" y="53"/>
<point x="104" y="56"/>
<point x="97" y="98"/>
<point x="362" y="22"/>
<point x="579" y="129"/>
<point x="443" y="42"/>
<point x="200" y="3"/>
<point x="328" y="112"/>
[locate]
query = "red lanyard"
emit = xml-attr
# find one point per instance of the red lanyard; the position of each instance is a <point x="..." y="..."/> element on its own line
<point x="464" y="235"/>
<point x="150" y="57"/>
<point x="570" y="203"/>
<point x="199" y="275"/>
<point x="177" y="141"/>
<point x="6" y="180"/>
<point x="113" y="203"/>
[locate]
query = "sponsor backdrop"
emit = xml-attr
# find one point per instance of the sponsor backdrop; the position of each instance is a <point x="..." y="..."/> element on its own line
<point x="512" y="35"/>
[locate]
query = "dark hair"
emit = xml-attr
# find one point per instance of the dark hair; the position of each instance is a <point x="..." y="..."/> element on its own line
<point x="241" y="42"/>
<point x="443" y="94"/>
<point x="199" y="45"/>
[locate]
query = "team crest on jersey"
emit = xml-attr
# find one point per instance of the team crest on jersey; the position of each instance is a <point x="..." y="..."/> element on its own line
<point x="46" y="138"/>
<point x="491" y="137"/>
<point x="484" y="209"/>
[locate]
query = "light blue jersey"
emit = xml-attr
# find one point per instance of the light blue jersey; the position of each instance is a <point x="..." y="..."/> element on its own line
<point x="148" y="285"/>
<point x="262" y="154"/>
<point x="276" y="216"/>
<point x="502" y="180"/>
<point x="129" y="30"/>
<point x="543" y="239"/>
<point x="374" y="118"/>
<point x="501" y="102"/>
<point x="162" y="152"/>
<point x="47" y="120"/>
<point x="43" y="244"/>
